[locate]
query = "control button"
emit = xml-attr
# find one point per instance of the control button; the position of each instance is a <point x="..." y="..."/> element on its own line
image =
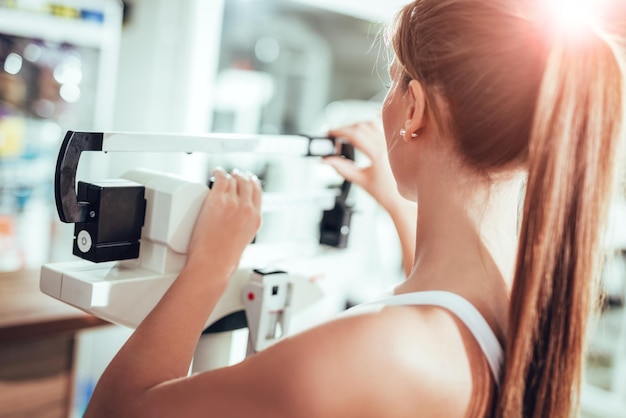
<point x="83" y="241"/>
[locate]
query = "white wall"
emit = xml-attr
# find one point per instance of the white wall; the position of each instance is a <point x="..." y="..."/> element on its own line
<point x="168" y="63"/>
<point x="374" y="10"/>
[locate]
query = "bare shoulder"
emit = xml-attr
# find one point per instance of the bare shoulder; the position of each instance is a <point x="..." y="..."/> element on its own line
<point x="399" y="362"/>
<point x="395" y="362"/>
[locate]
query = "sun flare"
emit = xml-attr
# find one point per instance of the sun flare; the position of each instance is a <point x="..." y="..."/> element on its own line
<point x="575" y="13"/>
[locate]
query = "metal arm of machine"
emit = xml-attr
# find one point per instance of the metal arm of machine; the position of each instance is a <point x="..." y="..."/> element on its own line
<point x="71" y="210"/>
<point x="109" y="215"/>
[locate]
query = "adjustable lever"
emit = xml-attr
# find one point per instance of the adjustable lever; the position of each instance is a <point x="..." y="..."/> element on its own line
<point x="335" y="224"/>
<point x="69" y="208"/>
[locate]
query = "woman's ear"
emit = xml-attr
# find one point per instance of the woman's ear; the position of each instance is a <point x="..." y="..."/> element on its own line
<point x="416" y="108"/>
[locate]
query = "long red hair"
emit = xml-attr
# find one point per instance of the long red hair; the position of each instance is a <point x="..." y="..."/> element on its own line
<point x="523" y="95"/>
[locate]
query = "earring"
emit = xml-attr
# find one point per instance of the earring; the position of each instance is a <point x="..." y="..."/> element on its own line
<point x="403" y="132"/>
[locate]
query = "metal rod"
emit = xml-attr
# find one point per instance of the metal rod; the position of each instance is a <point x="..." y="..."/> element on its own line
<point x="298" y="145"/>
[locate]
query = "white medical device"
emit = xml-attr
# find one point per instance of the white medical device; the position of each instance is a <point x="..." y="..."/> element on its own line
<point x="133" y="232"/>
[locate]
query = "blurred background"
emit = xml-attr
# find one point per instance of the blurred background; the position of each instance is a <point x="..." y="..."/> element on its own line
<point x="195" y="66"/>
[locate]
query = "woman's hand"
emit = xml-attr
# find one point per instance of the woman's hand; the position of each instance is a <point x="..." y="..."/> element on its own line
<point x="376" y="178"/>
<point x="161" y="348"/>
<point x="228" y="221"/>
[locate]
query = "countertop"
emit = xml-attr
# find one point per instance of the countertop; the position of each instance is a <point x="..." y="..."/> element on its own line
<point x="26" y="312"/>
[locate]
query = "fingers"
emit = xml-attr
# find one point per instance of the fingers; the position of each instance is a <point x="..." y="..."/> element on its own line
<point x="244" y="187"/>
<point x="346" y="168"/>
<point x="229" y="219"/>
<point x="350" y="134"/>
<point x="248" y="187"/>
<point x="256" y="191"/>
<point x="223" y="181"/>
<point x="365" y="136"/>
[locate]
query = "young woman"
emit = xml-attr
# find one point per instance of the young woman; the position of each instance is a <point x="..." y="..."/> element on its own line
<point x="485" y="96"/>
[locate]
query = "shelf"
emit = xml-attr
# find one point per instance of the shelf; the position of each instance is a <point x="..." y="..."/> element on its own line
<point x="55" y="29"/>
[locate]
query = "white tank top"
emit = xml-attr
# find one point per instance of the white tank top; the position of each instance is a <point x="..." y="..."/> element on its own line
<point x="463" y="309"/>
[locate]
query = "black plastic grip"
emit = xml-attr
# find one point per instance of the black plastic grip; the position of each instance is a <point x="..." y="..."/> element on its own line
<point x="70" y="210"/>
<point x="347" y="151"/>
<point x="335" y="223"/>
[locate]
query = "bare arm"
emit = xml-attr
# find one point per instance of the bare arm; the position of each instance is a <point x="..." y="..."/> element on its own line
<point x="162" y="347"/>
<point x="377" y="179"/>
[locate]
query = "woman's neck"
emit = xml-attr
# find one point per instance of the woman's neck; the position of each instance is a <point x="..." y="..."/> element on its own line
<point x="466" y="231"/>
<point x="466" y="241"/>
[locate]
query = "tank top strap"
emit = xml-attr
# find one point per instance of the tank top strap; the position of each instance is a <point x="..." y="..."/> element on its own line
<point x="462" y="309"/>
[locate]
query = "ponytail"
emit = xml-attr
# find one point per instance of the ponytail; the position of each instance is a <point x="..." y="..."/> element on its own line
<point x="573" y="145"/>
<point x="554" y="105"/>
